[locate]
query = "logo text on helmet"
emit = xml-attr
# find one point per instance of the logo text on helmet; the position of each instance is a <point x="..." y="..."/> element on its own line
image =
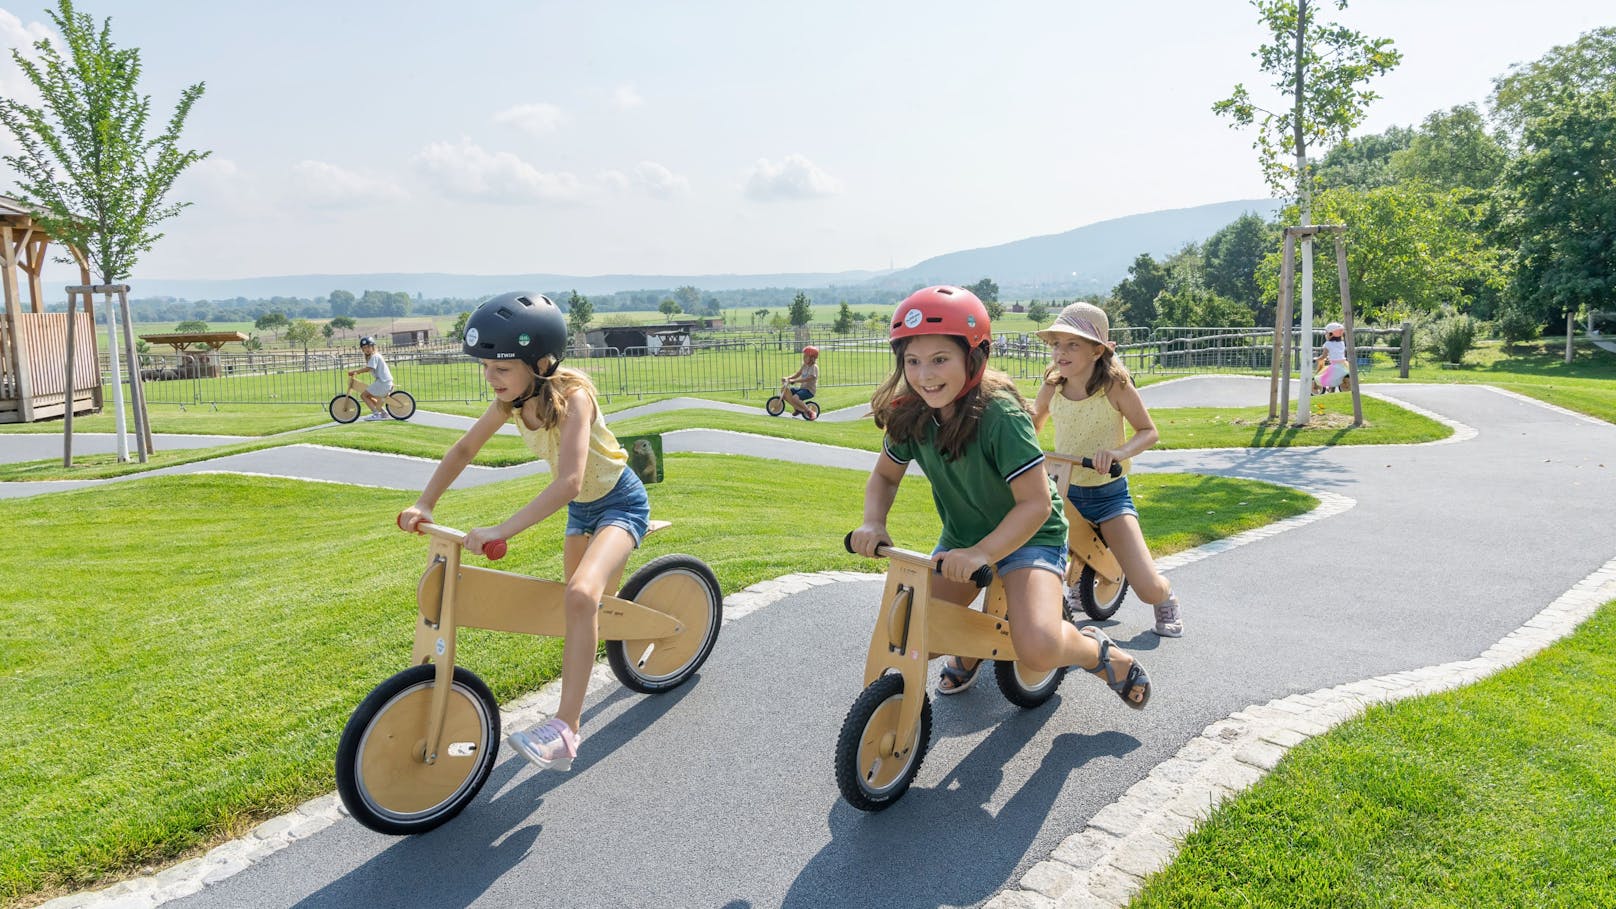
<point x="471" y="337"/>
<point x="912" y="318"/>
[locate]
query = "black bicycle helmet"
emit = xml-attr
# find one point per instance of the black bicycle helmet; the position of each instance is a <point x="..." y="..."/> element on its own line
<point x="517" y="326"/>
<point x="367" y="341"/>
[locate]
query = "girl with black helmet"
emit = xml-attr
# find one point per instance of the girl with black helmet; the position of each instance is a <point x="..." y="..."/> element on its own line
<point x="521" y="339"/>
<point x="971" y="431"/>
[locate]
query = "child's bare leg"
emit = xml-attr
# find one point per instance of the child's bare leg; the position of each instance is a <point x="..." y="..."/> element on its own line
<point x="590" y="563"/>
<point x="1127" y="543"/>
<point x="791" y="398"/>
<point x="1045" y="640"/>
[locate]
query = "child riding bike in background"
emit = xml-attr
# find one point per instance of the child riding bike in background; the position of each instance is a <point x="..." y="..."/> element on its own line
<point x="1089" y="393"/>
<point x="521" y="338"/>
<point x="808" y="375"/>
<point x="374" y="393"/>
<point x="969" y="428"/>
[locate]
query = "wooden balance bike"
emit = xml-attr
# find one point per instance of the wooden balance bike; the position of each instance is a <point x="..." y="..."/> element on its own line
<point x="776" y="405"/>
<point x="1092" y="573"/>
<point x="346" y="407"/>
<point x="421" y="745"/>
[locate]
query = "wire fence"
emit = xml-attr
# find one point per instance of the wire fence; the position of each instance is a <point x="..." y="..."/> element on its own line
<point x="756" y="362"/>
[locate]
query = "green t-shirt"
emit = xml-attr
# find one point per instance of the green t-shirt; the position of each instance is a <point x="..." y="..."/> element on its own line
<point x="973" y="492"/>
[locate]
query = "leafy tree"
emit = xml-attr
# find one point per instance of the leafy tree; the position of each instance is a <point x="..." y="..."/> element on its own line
<point x="1037" y="313"/>
<point x="800" y="313"/>
<point x="844" y="320"/>
<point x="1136" y="294"/>
<point x="302" y="333"/>
<point x="343" y="323"/>
<point x="1535" y="90"/>
<point x="1517" y="324"/>
<point x="1363" y="162"/>
<point x="458" y="332"/>
<point x="271" y="321"/>
<point x="1452" y="150"/>
<point x="1195" y="306"/>
<point x="580" y="312"/>
<point x="1450" y="337"/>
<point x="760" y="314"/>
<point x="986" y="290"/>
<point x="995" y="309"/>
<point x="689" y="298"/>
<point x="669" y="307"/>
<point x="1232" y="259"/>
<point x="1561" y="207"/>
<point x="1320" y="69"/>
<point x="192" y="325"/>
<point x="98" y="180"/>
<point x="342" y="303"/>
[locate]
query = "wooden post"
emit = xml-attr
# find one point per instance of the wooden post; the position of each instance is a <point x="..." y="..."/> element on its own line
<point x="1279" y="327"/>
<point x="1287" y="276"/>
<point x="137" y="385"/>
<point x="19" y="351"/>
<point x="1347" y="320"/>
<point x="1571" y="328"/>
<point x="1407" y="351"/>
<point x="67" y="412"/>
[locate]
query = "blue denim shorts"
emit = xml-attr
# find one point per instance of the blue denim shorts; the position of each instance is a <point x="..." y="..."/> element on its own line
<point x="626" y="506"/>
<point x="1049" y="558"/>
<point x="1098" y="504"/>
<point x="802" y="394"/>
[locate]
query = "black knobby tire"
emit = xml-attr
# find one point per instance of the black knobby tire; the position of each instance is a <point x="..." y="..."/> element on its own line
<point x="1095" y="602"/>
<point x="382" y="780"/>
<point x="343" y="409"/>
<point x="813" y="410"/>
<point x="866" y="782"/>
<point x="775" y="406"/>
<point x="400" y="404"/>
<point x="685" y="588"/>
<point x="1024" y="688"/>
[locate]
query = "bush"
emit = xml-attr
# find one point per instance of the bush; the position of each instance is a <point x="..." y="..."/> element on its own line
<point x="1450" y="337"/>
<point x="1516" y="325"/>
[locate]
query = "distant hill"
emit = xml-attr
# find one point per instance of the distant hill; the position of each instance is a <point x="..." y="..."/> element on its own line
<point x="1094" y="257"/>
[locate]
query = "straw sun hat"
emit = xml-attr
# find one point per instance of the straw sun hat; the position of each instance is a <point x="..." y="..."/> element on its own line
<point x="1082" y="320"/>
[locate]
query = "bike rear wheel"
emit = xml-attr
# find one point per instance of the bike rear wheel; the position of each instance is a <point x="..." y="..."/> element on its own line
<point x="400" y="404"/>
<point x="813" y="410"/>
<point x="683" y="587"/>
<point x="343" y="409"/>
<point x="1100" y="598"/>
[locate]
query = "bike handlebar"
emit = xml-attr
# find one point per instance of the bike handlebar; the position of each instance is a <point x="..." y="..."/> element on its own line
<point x="1116" y="466"/>
<point x="493" y="550"/>
<point x="981" y="577"/>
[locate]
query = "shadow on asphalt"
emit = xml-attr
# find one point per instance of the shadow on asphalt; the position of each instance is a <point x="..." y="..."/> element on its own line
<point x="453" y="865"/>
<point x="940" y="845"/>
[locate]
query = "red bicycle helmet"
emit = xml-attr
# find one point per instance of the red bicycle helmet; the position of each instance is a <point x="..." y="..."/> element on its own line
<point x="945" y="310"/>
<point x="811" y="350"/>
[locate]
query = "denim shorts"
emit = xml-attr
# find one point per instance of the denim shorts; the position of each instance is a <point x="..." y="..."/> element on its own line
<point x="626" y="506"/>
<point x="1049" y="558"/>
<point x="802" y="394"/>
<point x="1098" y="504"/>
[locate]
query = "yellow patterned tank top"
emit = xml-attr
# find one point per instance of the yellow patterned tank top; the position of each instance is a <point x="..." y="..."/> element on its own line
<point x="1084" y="427"/>
<point x="604" y="464"/>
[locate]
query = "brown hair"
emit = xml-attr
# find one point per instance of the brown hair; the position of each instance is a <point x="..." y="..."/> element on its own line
<point x="904" y="414"/>
<point x="550" y="395"/>
<point x="1107" y="369"/>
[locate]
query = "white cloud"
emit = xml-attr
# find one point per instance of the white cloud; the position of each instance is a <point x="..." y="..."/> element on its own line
<point x="323" y="185"/>
<point x="13" y="84"/>
<point x="659" y="181"/>
<point x="796" y="177"/>
<point x="534" y="119"/>
<point x="468" y="170"/>
<point x="626" y="97"/>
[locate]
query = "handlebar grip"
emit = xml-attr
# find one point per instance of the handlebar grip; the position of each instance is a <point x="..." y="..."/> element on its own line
<point x="399" y="520"/>
<point x="847" y="544"/>
<point x="494" y="550"/>
<point x="1116" y="466"/>
<point x="982" y="577"/>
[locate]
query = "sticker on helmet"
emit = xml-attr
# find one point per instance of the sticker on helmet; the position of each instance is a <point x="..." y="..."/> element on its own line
<point x="471" y="337"/>
<point x="523" y="340"/>
<point x="970" y="321"/>
<point x="912" y="318"/>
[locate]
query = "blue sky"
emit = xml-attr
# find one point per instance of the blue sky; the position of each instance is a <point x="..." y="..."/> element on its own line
<point x="696" y="137"/>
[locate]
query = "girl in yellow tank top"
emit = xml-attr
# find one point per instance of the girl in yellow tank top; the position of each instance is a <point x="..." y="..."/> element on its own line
<point x="520" y="339"/>
<point x="1090" y="395"/>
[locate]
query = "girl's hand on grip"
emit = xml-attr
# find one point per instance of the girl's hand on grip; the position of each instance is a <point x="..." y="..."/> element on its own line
<point x="867" y="538"/>
<point x="960" y="564"/>
<point x="413" y="515"/>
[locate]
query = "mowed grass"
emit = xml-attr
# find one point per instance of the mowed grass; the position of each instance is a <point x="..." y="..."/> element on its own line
<point x="180" y="655"/>
<point x="1496" y="794"/>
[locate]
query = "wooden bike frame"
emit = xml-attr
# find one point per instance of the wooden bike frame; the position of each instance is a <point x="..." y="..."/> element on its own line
<point x="453" y="596"/>
<point x="1083" y="541"/>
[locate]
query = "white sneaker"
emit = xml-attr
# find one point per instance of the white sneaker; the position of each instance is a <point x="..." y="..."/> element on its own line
<point x="551" y="745"/>
<point x="377" y="415"/>
<point x="1168" y="624"/>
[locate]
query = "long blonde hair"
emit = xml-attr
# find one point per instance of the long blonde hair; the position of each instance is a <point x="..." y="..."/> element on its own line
<point x="550" y="395"/>
<point x="1107" y="369"/>
<point x="904" y="415"/>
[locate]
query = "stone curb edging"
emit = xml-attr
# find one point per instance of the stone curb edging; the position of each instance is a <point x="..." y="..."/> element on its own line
<point x="1105" y="864"/>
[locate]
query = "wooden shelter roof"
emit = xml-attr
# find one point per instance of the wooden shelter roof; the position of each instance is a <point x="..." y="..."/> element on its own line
<point x="182" y="339"/>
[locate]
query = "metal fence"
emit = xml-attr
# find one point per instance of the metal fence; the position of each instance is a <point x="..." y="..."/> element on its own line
<point x="754" y="363"/>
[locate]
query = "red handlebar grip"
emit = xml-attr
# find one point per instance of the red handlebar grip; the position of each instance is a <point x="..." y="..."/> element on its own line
<point x="494" y="550"/>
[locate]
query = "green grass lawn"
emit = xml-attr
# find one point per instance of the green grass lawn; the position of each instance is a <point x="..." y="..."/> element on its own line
<point x="1496" y="794"/>
<point x="163" y="697"/>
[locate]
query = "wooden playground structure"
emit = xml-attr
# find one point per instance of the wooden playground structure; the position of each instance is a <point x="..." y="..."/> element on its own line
<point x="35" y="367"/>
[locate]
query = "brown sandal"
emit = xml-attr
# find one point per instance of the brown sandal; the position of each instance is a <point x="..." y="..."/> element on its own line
<point x="1133" y="688"/>
<point x="956" y="677"/>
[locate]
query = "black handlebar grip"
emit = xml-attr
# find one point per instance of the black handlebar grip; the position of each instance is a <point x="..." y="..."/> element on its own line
<point x="982" y="577"/>
<point x="1116" y="466"/>
<point x="847" y="543"/>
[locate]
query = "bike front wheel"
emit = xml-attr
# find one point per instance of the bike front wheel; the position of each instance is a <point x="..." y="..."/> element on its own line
<point x="400" y="404"/>
<point x="871" y="775"/>
<point x="343" y="409"/>
<point x="775" y="406"/>
<point x="382" y="773"/>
